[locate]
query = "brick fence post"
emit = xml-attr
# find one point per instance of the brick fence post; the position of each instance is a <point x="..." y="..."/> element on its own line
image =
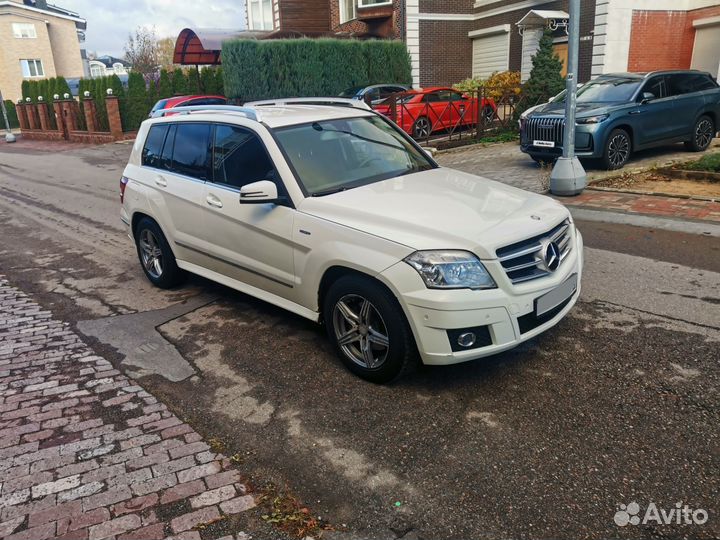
<point x="44" y="119"/>
<point x="30" y="109"/>
<point x="90" y="114"/>
<point x="114" y="120"/>
<point x="22" y="116"/>
<point x="59" y="120"/>
<point x="69" y="114"/>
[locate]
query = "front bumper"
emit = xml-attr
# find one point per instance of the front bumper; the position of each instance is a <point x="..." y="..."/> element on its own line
<point x="588" y="143"/>
<point x="506" y="312"/>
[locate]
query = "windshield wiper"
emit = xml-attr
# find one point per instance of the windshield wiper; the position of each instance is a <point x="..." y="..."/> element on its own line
<point x="328" y="191"/>
<point x="317" y="127"/>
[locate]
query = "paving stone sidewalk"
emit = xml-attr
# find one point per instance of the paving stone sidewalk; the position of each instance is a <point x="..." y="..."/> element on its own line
<point x="647" y="205"/>
<point x="87" y="454"/>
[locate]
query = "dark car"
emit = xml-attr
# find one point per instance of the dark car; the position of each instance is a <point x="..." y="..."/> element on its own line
<point x="373" y="94"/>
<point x="619" y="114"/>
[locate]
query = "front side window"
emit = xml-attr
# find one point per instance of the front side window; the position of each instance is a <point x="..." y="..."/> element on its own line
<point x="656" y="87"/>
<point x="154" y="146"/>
<point x="347" y="10"/>
<point x="239" y="157"/>
<point x="24" y="30"/>
<point x="334" y="155"/>
<point x="191" y="151"/>
<point x="32" y="68"/>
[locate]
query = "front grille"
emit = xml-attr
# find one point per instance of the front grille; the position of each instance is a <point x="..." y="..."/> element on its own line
<point x="524" y="261"/>
<point x="545" y="129"/>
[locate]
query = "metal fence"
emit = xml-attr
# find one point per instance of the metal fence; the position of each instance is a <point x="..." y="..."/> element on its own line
<point x="453" y="120"/>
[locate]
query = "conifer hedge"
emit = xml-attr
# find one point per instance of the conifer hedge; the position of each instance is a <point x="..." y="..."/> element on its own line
<point x="266" y="69"/>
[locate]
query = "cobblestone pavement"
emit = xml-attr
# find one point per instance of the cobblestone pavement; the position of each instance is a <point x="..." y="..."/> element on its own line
<point x="646" y="204"/>
<point x="506" y="163"/>
<point x="87" y="454"/>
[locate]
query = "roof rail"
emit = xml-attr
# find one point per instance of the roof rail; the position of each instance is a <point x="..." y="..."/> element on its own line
<point x="330" y="101"/>
<point x="252" y="114"/>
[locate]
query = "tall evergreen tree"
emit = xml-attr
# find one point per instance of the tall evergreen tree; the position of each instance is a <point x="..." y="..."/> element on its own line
<point x="546" y="78"/>
<point x="137" y="104"/>
<point x="165" y="89"/>
<point x="179" y="83"/>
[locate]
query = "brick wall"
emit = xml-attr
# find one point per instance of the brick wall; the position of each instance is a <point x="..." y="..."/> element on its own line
<point x="664" y="39"/>
<point x="446" y="49"/>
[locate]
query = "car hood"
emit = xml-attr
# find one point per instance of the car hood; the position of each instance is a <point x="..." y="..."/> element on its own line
<point x="583" y="109"/>
<point x="441" y="209"/>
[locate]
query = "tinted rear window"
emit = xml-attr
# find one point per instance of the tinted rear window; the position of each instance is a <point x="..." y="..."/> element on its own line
<point x="154" y="145"/>
<point x="191" y="155"/>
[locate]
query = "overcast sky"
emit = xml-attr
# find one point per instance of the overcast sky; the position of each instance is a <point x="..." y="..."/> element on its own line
<point x="109" y="23"/>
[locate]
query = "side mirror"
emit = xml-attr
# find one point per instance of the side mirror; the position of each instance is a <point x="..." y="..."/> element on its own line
<point x="261" y="192"/>
<point x="647" y="97"/>
<point x="429" y="151"/>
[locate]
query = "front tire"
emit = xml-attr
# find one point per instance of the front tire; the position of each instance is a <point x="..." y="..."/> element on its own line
<point x="421" y="128"/>
<point x="703" y="134"/>
<point x="156" y="258"/>
<point x="618" y="149"/>
<point x="368" y="329"/>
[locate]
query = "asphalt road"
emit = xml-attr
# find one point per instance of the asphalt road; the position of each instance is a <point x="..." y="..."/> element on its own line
<point x="619" y="403"/>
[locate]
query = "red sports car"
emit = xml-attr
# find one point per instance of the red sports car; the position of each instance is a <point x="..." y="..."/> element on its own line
<point x="422" y="112"/>
<point x="186" y="101"/>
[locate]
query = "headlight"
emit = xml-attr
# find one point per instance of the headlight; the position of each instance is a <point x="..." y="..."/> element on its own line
<point x="593" y="119"/>
<point x="450" y="270"/>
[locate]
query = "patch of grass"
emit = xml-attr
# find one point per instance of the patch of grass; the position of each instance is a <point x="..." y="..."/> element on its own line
<point x="709" y="162"/>
<point x="504" y="136"/>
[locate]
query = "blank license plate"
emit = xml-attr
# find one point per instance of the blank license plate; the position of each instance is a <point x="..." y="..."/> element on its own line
<point x="544" y="144"/>
<point x="557" y="296"/>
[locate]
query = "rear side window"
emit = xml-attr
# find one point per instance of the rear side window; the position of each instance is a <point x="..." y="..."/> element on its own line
<point x="154" y="145"/>
<point x="191" y="150"/>
<point x="165" y="161"/>
<point x="688" y="83"/>
<point x="239" y="157"/>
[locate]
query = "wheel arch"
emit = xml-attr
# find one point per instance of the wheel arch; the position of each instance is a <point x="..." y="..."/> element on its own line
<point x="630" y="131"/>
<point x="135" y="220"/>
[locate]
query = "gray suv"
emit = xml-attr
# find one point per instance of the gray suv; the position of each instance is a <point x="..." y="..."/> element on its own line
<point x="621" y="113"/>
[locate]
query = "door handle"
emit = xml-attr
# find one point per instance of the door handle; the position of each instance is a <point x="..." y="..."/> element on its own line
<point x="212" y="200"/>
<point x="635" y="112"/>
<point x="160" y="181"/>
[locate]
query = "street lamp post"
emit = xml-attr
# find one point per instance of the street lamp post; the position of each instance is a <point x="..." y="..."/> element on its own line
<point x="568" y="177"/>
<point x="9" y="137"/>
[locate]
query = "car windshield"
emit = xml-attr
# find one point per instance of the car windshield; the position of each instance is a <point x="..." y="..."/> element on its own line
<point x="607" y="91"/>
<point x="335" y="155"/>
<point x="351" y="92"/>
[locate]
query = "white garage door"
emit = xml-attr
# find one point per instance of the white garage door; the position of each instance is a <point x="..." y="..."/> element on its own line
<point x="490" y="53"/>
<point x="706" y="54"/>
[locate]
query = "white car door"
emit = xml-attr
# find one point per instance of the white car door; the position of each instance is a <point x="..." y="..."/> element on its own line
<point x="176" y="164"/>
<point x="251" y="243"/>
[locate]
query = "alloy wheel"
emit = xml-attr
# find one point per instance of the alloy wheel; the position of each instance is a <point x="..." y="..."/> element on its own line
<point x="422" y="128"/>
<point x="360" y="331"/>
<point x="704" y="133"/>
<point x="618" y="150"/>
<point x="151" y="254"/>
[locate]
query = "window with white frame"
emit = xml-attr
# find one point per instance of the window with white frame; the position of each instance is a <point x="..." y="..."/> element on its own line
<point x="32" y="68"/>
<point x="260" y="14"/>
<point x="373" y="3"/>
<point x="347" y="10"/>
<point x="119" y="69"/>
<point x="97" y="69"/>
<point x="24" y="30"/>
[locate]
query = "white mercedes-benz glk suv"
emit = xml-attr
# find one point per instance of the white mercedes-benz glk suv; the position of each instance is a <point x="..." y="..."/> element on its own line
<point x="327" y="209"/>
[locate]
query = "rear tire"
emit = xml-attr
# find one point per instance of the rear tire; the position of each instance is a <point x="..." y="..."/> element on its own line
<point x="156" y="258"/>
<point x="618" y="149"/>
<point x="368" y="329"/>
<point x="704" y="132"/>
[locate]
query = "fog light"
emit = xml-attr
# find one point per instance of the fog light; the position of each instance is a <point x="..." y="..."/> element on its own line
<point x="466" y="340"/>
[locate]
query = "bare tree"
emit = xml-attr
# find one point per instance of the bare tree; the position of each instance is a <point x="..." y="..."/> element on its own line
<point x="166" y="51"/>
<point x="141" y="51"/>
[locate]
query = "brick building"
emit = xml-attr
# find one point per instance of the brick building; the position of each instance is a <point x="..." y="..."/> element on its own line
<point x="40" y="41"/>
<point x="450" y="40"/>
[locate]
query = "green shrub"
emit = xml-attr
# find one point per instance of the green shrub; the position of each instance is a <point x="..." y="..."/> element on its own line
<point x="219" y="82"/>
<point x="310" y="67"/>
<point x="25" y="89"/>
<point x="165" y="89"/>
<point x="546" y="78"/>
<point x="136" y="102"/>
<point x="179" y="83"/>
<point x="11" y="114"/>
<point x="61" y="87"/>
